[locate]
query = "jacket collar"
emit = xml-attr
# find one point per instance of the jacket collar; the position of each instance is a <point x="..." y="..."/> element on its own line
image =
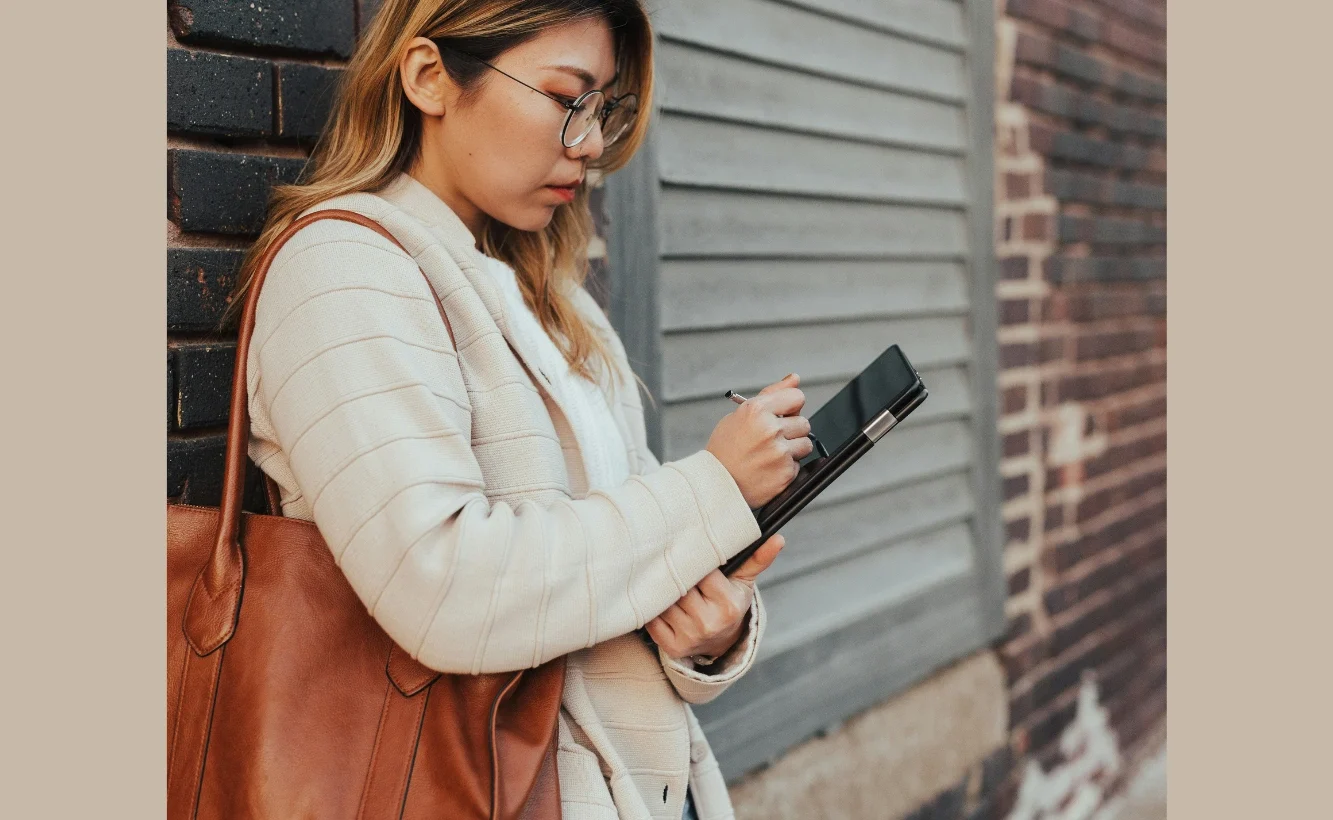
<point x="423" y="205"/>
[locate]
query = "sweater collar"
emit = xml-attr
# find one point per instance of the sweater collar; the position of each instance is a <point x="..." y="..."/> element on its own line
<point x="416" y="199"/>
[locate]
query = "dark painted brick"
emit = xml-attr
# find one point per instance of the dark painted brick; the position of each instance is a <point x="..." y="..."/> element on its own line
<point x="1083" y="25"/>
<point x="203" y="384"/>
<point x="365" y="12"/>
<point x="1138" y="414"/>
<point x="194" y="469"/>
<point x="1016" y="444"/>
<point x="218" y="95"/>
<point x="1014" y="311"/>
<point x="1015" y="399"/>
<point x="1018" y="626"/>
<point x="1104" y="269"/>
<point x="1018" y="354"/>
<point x="1020" y="580"/>
<point x="1073" y="147"/>
<point x="1046" y="12"/>
<point x="1015" y="486"/>
<point x="1108" y="231"/>
<point x="305" y="96"/>
<point x="1051" y="350"/>
<point x="1017" y="661"/>
<point x="224" y="193"/>
<point x="1013" y="267"/>
<point x="1137" y="85"/>
<point x="301" y="26"/>
<point x="1055" y="517"/>
<point x="1018" y="530"/>
<point x="1075" y="63"/>
<point x="171" y="389"/>
<point x="194" y="473"/>
<point x="1049" y="728"/>
<point x="1034" y="50"/>
<point x="199" y="284"/>
<point x="1076" y="186"/>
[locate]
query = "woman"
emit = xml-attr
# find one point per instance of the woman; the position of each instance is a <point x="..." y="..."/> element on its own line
<point x="487" y="487"/>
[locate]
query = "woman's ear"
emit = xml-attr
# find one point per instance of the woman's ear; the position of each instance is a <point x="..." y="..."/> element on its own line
<point x="424" y="79"/>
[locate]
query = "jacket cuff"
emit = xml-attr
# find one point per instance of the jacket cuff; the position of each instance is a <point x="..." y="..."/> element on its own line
<point x="727" y="517"/>
<point x="695" y="685"/>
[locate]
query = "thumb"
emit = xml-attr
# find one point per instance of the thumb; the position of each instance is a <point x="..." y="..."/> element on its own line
<point x="762" y="559"/>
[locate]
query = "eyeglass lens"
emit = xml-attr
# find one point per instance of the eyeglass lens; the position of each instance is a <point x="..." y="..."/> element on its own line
<point x="583" y="118"/>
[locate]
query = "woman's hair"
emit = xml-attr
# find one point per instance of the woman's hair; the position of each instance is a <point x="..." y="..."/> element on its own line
<point x="374" y="133"/>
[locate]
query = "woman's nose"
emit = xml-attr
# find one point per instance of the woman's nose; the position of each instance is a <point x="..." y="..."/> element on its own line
<point x="589" y="147"/>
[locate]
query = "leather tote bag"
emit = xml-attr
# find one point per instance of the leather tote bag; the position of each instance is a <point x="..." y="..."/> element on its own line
<point x="285" y="699"/>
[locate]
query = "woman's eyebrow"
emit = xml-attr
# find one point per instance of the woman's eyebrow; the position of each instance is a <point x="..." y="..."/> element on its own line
<point x="583" y="75"/>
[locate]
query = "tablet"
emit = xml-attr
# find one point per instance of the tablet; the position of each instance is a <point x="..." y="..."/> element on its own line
<point x="843" y="430"/>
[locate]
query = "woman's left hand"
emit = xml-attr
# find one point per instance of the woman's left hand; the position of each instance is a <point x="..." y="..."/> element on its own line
<point x="712" y="615"/>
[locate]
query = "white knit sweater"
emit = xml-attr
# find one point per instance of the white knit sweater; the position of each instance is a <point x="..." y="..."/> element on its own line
<point x="453" y="491"/>
<point x="605" y="456"/>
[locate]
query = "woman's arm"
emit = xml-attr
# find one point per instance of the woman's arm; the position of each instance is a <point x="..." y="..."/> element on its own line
<point x="695" y="684"/>
<point x="363" y="391"/>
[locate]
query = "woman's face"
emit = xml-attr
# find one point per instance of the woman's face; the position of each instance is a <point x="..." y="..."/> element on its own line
<point x="499" y="153"/>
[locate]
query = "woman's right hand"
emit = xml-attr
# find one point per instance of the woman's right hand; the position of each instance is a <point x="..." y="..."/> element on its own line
<point x="763" y="440"/>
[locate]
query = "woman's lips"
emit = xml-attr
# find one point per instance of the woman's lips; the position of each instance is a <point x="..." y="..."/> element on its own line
<point x="565" y="192"/>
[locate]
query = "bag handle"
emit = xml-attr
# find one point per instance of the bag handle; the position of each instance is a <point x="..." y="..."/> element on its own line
<point x="215" y="599"/>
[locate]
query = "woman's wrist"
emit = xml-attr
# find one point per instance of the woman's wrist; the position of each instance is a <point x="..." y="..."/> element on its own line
<point x="721" y="647"/>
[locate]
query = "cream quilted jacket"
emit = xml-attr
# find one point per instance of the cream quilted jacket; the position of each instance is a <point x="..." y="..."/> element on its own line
<point x="450" y="488"/>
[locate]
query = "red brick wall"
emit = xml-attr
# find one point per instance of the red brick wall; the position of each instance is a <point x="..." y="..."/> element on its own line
<point x="1081" y="239"/>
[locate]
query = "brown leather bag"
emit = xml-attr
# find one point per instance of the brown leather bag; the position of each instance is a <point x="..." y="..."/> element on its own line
<point x="285" y="699"/>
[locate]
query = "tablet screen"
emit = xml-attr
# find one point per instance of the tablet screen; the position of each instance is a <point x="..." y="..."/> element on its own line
<point x="860" y="400"/>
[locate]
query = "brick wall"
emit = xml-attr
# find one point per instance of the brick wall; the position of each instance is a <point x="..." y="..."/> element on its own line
<point x="248" y="88"/>
<point x="1081" y="238"/>
<point x="248" y="91"/>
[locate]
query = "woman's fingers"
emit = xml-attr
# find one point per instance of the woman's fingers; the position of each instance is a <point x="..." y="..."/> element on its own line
<point x="761" y="560"/>
<point x="794" y="427"/>
<point x="783" y="401"/>
<point x="693" y="604"/>
<point x="661" y="632"/>
<point x="789" y="380"/>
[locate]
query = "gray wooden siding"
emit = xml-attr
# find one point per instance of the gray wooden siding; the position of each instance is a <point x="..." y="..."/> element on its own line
<point x="816" y="189"/>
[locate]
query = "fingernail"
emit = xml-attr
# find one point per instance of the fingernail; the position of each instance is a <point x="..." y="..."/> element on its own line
<point x="788" y="376"/>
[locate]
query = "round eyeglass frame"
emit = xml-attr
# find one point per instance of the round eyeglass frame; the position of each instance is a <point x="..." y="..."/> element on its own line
<point x="609" y="105"/>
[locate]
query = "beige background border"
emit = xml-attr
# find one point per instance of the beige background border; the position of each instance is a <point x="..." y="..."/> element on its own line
<point x="1251" y="306"/>
<point x="82" y="680"/>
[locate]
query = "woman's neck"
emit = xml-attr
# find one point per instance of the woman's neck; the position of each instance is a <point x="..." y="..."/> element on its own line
<point x="437" y="181"/>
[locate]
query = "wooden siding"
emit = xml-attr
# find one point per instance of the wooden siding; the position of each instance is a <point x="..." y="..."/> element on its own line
<point x="814" y="190"/>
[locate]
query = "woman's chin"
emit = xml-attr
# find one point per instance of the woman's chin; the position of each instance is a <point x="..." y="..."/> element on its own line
<point x="534" y="220"/>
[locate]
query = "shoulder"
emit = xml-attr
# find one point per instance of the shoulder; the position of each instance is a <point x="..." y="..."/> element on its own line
<point x="331" y="254"/>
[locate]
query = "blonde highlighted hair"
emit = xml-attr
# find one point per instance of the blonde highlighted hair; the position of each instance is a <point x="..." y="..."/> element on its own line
<point x="374" y="133"/>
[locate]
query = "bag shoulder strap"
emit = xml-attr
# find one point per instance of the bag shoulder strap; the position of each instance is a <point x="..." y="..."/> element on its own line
<point x="210" y="614"/>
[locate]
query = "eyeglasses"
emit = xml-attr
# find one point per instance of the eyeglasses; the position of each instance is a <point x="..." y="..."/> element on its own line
<point x="615" y="115"/>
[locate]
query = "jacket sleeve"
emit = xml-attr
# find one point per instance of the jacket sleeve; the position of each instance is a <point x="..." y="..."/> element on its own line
<point x="700" y="685"/>
<point x="362" y="389"/>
